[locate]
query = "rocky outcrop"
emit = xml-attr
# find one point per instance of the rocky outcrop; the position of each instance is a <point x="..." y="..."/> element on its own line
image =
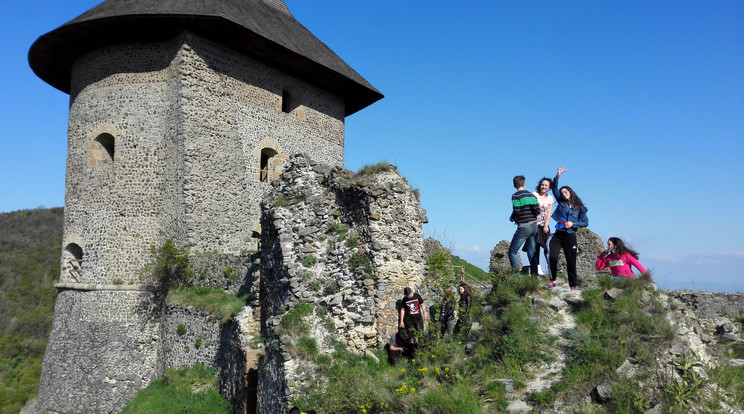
<point x="345" y="243"/>
<point x="499" y="263"/>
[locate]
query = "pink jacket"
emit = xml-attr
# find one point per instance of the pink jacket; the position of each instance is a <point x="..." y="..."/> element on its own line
<point x="620" y="266"/>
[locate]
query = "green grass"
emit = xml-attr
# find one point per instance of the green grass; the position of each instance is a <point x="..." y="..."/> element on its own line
<point x="442" y="378"/>
<point x="219" y="303"/>
<point x="191" y="390"/>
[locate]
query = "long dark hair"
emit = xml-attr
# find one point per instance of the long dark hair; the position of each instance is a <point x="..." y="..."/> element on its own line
<point x="573" y="198"/>
<point x="466" y="288"/>
<point x="621" y="248"/>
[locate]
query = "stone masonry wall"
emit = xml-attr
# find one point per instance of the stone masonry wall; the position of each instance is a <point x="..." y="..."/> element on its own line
<point x="319" y="223"/>
<point x="711" y="305"/>
<point x="102" y="349"/>
<point x="164" y="141"/>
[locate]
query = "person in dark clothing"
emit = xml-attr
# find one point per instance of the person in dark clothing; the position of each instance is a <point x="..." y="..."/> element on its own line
<point x="463" y="318"/>
<point x="412" y="311"/>
<point x="447" y="315"/>
<point x="401" y="345"/>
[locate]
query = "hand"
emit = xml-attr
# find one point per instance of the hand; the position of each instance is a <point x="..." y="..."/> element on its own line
<point x="402" y="325"/>
<point x="568" y="224"/>
<point x="561" y="171"/>
<point x="546" y="228"/>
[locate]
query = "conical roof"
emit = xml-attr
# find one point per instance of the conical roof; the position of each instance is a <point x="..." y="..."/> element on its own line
<point x="264" y="29"/>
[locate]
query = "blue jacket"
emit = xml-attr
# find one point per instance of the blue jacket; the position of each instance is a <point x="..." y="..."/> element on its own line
<point x="563" y="212"/>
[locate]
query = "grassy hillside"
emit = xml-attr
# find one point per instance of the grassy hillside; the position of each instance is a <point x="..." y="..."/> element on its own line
<point x="30" y="245"/>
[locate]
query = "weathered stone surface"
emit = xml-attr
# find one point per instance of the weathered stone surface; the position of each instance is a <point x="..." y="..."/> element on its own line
<point x="359" y="269"/>
<point x="499" y="263"/>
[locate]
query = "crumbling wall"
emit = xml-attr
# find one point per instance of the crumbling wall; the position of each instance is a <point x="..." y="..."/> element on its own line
<point x="346" y="243"/>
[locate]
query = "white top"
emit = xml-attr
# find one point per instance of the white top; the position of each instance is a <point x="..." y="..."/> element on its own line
<point x="545" y="202"/>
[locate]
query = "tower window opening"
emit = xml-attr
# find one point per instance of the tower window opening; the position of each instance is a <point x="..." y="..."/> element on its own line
<point x="286" y="107"/>
<point x="72" y="262"/>
<point x="107" y="142"/>
<point x="265" y="168"/>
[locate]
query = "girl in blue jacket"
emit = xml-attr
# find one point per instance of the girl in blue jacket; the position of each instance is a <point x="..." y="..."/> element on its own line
<point x="569" y="215"/>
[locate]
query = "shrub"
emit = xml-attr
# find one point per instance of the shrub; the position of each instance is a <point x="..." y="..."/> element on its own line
<point x="380" y="167"/>
<point x="181" y="329"/>
<point x="292" y="321"/>
<point x="169" y="265"/>
<point x="309" y="261"/>
<point x="360" y="260"/>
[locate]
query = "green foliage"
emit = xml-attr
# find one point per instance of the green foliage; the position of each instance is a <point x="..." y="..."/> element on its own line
<point x="30" y="245"/>
<point x="292" y="321"/>
<point x="360" y="260"/>
<point x="198" y="343"/>
<point x="169" y="265"/>
<point x="281" y="201"/>
<point x="609" y="332"/>
<point x="181" y="330"/>
<point x="222" y="304"/>
<point x="336" y="228"/>
<point x="308" y="347"/>
<point x="543" y="398"/>
<point x="378" y="168"/>
<point x="186" y="390"/>
<point x="309" y="261"/>
<point x="439" y="262"/>
<point x="315" y="285"/>
<point x="352" y="241"/>
<point x="231" y="276"/>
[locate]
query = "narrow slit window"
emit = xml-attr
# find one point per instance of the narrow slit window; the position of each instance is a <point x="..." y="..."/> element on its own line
<point x="265" y="168"/>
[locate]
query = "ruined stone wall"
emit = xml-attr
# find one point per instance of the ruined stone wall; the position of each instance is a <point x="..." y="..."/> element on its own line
<point x="711" y="305"/>
<point x="344" y="242"/>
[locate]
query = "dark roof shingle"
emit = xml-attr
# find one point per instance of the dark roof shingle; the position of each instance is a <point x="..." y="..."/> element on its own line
<point x="262" y="28"/>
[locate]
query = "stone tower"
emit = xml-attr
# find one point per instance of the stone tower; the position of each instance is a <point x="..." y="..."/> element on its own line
<point x="181" y="114"/>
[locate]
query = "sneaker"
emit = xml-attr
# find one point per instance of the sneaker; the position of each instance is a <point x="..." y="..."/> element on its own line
<point x="573" y="288"/>
<point x="552" y="284"/>
<point x="540" y="271"/>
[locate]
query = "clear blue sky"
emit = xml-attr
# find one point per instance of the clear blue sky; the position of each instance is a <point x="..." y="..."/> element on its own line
<point x="643" y="101"/>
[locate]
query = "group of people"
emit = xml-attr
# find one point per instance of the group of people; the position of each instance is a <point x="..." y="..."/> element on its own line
<point x="413" y="318"/>
<point x="532" y="212"/>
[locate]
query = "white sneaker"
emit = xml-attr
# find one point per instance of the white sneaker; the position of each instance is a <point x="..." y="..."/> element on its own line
<point x="540" y="271"/>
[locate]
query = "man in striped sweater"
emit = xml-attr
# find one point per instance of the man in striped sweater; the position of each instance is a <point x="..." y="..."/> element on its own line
<point x="524" y="213"/>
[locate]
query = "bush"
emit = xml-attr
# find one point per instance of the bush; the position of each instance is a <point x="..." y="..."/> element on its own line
<point x="309" y="261"/>
<point x="169" y="265"/>
<point x="360" y="260"/>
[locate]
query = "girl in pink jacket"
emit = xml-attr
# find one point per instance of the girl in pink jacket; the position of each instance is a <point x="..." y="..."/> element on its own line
<point x="619" y="258"/>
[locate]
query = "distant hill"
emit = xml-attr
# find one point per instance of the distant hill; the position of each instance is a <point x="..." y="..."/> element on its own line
<point x="30" y="245"/>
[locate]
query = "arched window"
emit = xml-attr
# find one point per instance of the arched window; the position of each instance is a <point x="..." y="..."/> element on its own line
<point x="72" y="262"/>
<point x="107" y="141"/>
<point x="265" y="169"/>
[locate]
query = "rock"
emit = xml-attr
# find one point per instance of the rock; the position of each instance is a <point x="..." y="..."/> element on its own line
<point x="626" y="370"/>
<point x="557" y="304"/>
<point x="508" y="383"/>
<point x="736" y="363"/>
<point x="371" y="355"/>
<point x="613" y="294"/>
<point x="603" y="393"/>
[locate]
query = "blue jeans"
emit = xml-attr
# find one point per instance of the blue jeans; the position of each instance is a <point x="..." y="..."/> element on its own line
<point x="526" y="234"/>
